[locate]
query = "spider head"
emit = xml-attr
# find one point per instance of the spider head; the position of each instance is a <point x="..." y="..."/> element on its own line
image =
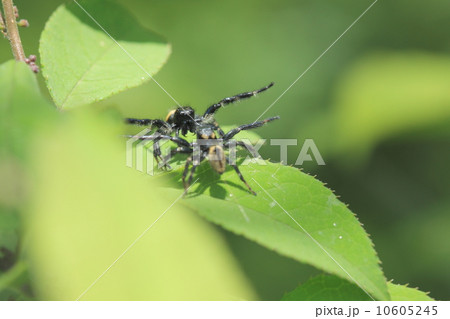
<point x="183" y="119"/>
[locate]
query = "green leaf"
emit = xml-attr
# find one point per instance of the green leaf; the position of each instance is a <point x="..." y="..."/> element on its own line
<point x="82" y="64"/>
<point x="226" y="201"/>
<point x="332" y="288"/>
<point x="12" y="282"/>
<point x="9" y="223"/>
<point x="327" y="288"/>
<point x="404" y="293"/>
<point x="88" y="208"/>
<point x="22" y="108"/>
<point x="389" y="94"/>
<point x="23" y="111"/>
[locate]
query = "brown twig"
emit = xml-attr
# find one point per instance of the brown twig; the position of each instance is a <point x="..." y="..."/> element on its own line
<point x="12" y="31"/>
<point x="2" y="24"/>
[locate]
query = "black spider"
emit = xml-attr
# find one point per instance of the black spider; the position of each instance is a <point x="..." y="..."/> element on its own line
<point x="183" y="119"/>
<point x="209" y="147"/>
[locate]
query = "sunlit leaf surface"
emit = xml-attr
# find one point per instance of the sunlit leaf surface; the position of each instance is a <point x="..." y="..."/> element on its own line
<point x="82" y="64"/>
<point x="325" y="232"/>
<point x="88" y="208"/>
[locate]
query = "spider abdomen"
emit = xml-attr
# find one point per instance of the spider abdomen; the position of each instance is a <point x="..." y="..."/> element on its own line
<point x="216" y="157"/>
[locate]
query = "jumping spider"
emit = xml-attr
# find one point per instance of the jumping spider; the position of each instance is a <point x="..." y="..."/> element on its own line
<point x="183" y="119"/>
<point x="207" y="144"/>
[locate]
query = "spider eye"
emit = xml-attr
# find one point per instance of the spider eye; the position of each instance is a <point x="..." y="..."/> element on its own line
<point x="188" y="111"/>
<point x="184" y="111"/>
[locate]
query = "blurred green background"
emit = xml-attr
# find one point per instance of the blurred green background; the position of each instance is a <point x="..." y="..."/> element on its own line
<point x="377" y="105"/>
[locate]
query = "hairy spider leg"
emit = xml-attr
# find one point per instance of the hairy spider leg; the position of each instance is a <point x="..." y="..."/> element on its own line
<point x="213" y="108"/>
<point x="218" y="129"/>
<point x="176" y="139"/>
<point x="191" y="173"/>
<point x="148" y="122"/>
<point x="186" y="169"/>
<point x="162" y="126"/>
<point x="250" y="126"/>
<point x="241" y="177"/>
<point x="247" y="147"/>
<point x="251" y="150"/>
<point x="181" y="149"/>
<point x="156" y="149"/>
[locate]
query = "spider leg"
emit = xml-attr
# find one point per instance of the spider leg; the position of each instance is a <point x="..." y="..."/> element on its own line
<point x="156" y="147"/>
<point x="195" y="164"/>
<point x="213" y="108"/>
<point x="157" y="137"/>
<point x="186" y="169"/>
<point x="250" y="126"/>
<point x="218" y="129"/>
<point x="191" y="176"/>
<point x="244" y="145"/>
<point x="157" y="153"/>
<point x="241" y="177"/>
<point x="147" y="122"/>
<point x="191" y="173"/>
<point x="181" y="149"/>
<point x="248" y="147"/>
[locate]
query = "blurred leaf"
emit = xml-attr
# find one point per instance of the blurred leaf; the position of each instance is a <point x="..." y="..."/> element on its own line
<point x="327" y="288"/>
<point x="404" y="293"/>
<point x="388" y="94"/>
<point x="13" y="281"/>
<point x="226" y="201"/>
<point x="11" y="294"/>
<point x="9" y="223"/>
<point x="22" y="108"/>
<point x="82" y="64"/>
<point x="23" y="111"/>
<point x="423" y="232"/>
<point x="88" y="208"/>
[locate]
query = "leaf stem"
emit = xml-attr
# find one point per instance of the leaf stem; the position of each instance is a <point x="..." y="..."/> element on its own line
<point x="12" y="30"/>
